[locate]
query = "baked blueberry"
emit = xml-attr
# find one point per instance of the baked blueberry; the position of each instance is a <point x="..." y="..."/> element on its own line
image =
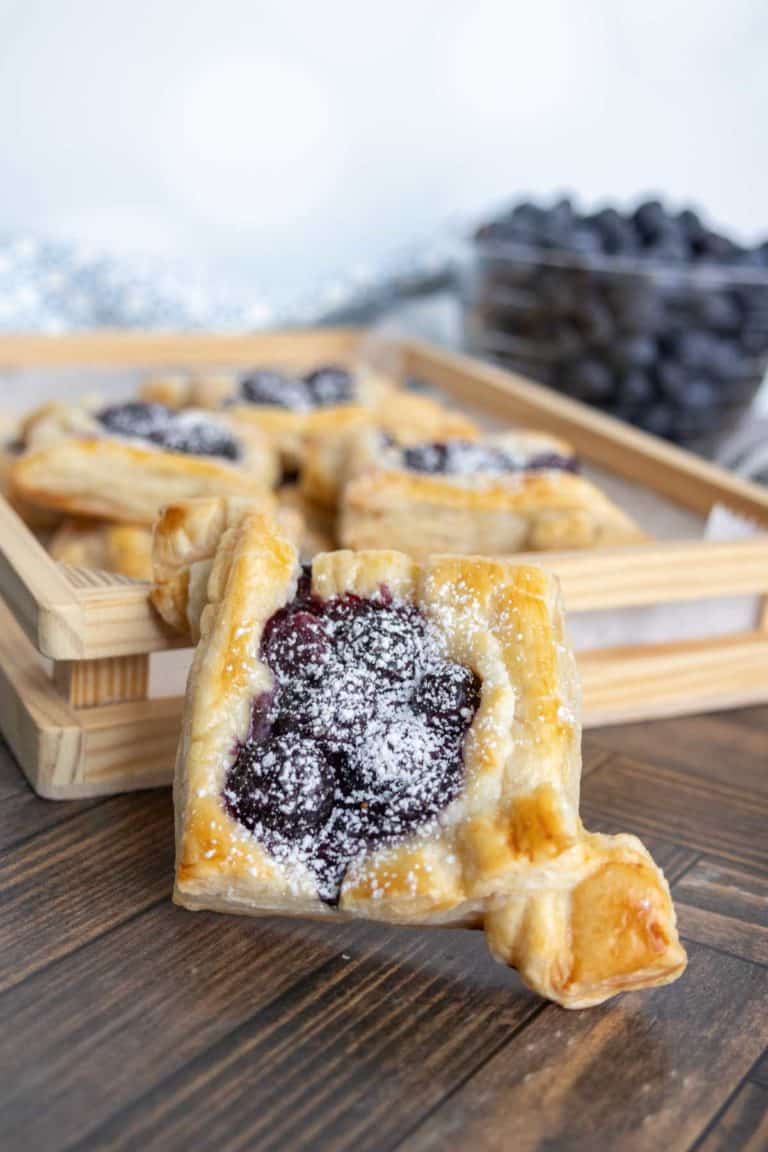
<point x="187" y="432"/>
<point x="360" y="740"/>
<point x="284" y="785"/>
<point x="329" y="386"/>
<point x="274" y="389"/>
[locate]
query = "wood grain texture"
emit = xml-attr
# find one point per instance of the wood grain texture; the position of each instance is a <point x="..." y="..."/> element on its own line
<point x="379" y="1017"/>
<point x="743" y="1127"/>
<point x="132" y="1024"/>
<point x="115" y="679"/>
<point x="725" y="906"/>
<point x="706" y="817"/>
<point x="722" y="748"/>
<point x="646" y="1072"/>
<point x="78" y="880"/>
<point x="36" y="590"/>
<point x="647" y="682"/>
<point x="181" y="349"/>
<point x="661" y="573"/>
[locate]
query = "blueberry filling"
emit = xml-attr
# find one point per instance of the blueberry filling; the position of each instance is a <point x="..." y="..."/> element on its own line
<point x="274" y="389"/>
<point x="465" y="458"/>
<point x="360" y="742"/>
<point x="329" y="385"/>
<point x="325" y="387"/>
<point x="185" y="432"/>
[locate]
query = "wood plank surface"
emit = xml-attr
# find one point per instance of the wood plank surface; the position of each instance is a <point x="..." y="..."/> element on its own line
<point x="128" y="1023"/>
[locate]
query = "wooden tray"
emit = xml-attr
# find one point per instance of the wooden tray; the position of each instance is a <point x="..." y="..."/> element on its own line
<point x="83" y="724"/>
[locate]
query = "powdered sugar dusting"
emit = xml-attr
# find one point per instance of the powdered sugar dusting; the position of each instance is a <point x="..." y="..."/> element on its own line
<point x="191" y="433"/>
<point x="360" y="742"/>
<point x="473" y="458"/>
<point x="324" y="387"/>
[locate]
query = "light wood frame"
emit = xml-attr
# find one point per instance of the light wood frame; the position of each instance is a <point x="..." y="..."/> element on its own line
<point x="85" y="726"/>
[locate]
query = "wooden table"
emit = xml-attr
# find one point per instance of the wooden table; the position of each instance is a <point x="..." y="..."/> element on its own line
<point x="127" y="1023"/>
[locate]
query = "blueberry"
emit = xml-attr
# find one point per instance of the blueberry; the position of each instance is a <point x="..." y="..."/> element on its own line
<point x="634" y="351"/>
<point x="649" y="219"/>
<point x="330" y="386"/>
<point x="186" y="432"/>
<point x="636" y="387"/>
<point x="754" y="340"/>
<point x="387" y="785"/>
<point x="700" y="393"/>
<point x="296" y="645"/>
<point x="672" y="379"/>
<point x="285" y="784"/>
<point x="591" y="380"/>
<point x="388" y="644"/>
<point x="657" y="419"/>
<point x="694" y="348"/>
<point x="595" y="320"/>
<point x="715" y="309"/>
<point x="447" y="696"/>
<point x="274" y="389"/>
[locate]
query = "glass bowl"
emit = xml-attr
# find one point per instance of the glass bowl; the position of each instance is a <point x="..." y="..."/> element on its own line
<point x="677" y="350"/>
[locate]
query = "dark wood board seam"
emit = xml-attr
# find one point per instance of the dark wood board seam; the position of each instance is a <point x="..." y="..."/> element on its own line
<point x="713" y="1123"/>
<point x="471" y="1075"/>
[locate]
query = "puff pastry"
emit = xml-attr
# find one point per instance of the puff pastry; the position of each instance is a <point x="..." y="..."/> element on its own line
<point x="378" y="738"/>
<point x="319" y="531"/>
<point x="123" y="462"/>
<point x="286" y="406"/>
<point x="307" y="417"/>
<point x="122" y="549"/>
<point x="11" y="446"/>
<point x="186" y="537"/>
<point x="515" y="492"/>
<point x="405" y="419"/>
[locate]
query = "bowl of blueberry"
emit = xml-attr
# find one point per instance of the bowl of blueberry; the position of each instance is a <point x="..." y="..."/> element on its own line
<point x="649" y="314"/>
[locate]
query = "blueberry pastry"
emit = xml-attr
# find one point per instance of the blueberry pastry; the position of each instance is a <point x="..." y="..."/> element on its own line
<point x="124" y="461"/>
<point x="307" y="416"/>
<point x="12" y="445"/>
<point x="515" y="492"/>
<point x="370" y="737"/>
<point x="405" y="419"/>
<point x="122" y="549"/>
<point x="286" y="406"/>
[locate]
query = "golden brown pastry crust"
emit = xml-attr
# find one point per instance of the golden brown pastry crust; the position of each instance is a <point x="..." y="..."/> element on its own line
<point x="287" y="430"/>
<point x="383" y="504"/>
<point x="331" y="458"/>
<point x="73" y="467"/>
<point x="185" y="540"/>
<point x="319" y="534"/>
<point x="206" y="390"/>
<point x="40" y="520"/>
<point x="123" y="549"/>
<point x="581" y="916"/>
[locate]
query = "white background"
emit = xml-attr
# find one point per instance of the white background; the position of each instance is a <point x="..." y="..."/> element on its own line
<point x="279" y="142"/>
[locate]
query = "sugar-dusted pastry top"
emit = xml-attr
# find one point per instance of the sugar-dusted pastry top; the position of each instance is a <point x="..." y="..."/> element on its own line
<point x="189" y="432"/>
<point x="373" y="737"/>
<point x="330" y="385"/>
<point x="359" y="741"/>
<point x="324" y="386"/>
<point x="124" y="461"/>
<point x="496" y="495"/>
<point x="472" y="458"/>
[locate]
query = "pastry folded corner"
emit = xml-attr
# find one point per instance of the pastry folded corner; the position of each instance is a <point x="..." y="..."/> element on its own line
<point x="187" y="537"/>
<point x="612" y="930"/>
